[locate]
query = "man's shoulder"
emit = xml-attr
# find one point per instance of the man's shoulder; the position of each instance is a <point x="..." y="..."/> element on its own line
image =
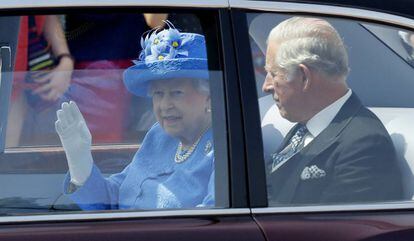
<point x="360" y="118"/>
<point x="365" y="127"/>
<point x="368" y="121"/>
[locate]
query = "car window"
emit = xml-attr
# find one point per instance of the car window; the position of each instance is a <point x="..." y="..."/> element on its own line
<point x="355" y="147"/>
<point x="126" y="101"/>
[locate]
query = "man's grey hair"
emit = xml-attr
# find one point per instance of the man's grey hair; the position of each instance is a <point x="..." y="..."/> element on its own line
<point x="201" y="85"/>
<point x="312" y="42"/>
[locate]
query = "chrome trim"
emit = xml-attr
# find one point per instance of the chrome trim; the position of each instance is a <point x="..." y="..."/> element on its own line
<point x="105" y="3"/>
<point x="125" y="215"/>
<point x="352" y="12"/>
<point x="322" y="9"/>
<point x="48" y="149"/>
<point x="8" y="49"/>
<point x="336" y="208"/>
<point x="8" y="66"/>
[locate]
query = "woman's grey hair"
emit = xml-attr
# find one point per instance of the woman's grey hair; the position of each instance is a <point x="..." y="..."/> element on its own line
<point x="312" y="42"/>
<point x="201" y="85"/>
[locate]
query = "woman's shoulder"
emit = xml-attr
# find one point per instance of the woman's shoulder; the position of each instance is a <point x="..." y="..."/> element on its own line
<point x="157" y="138"/>
<point x="156" y="131"/>
<point x="154" y="151"/>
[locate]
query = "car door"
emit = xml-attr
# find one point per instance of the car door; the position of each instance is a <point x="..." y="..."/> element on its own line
<point x="381" y="75"/>
<point x="33" y="162"/>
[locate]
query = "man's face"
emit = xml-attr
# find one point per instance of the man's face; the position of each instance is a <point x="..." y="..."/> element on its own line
<point x="288" y="94"/>
<point x="180" y="108"/>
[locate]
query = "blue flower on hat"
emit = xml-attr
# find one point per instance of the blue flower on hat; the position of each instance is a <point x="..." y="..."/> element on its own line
<point x="167" y="54"/>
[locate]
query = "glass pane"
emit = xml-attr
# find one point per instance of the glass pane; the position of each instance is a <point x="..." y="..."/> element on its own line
<point x="135" y="119"/>
<point x="335" y="102"/>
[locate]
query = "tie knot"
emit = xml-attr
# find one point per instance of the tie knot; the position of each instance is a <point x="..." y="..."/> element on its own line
<point x="293" y="147"/>
<point x="302" y="130"/>
<point x="298" y="136"/>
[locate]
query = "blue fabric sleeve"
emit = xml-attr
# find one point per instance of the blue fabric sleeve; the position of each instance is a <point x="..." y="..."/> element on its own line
<point x="209" y="200"/>
<point x="98" y="192"/>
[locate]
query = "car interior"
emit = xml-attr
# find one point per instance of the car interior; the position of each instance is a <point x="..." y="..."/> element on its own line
<point x="396" y="120"/>
<point x="36" y="166"/>
<point x="381" y="77"/>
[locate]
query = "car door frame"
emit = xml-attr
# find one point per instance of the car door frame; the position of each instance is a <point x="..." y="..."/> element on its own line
<point x="308" y="222"/>
<point x="233" y="222"/>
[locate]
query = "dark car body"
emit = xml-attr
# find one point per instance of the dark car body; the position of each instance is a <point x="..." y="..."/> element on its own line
<point x="243" y="213"/>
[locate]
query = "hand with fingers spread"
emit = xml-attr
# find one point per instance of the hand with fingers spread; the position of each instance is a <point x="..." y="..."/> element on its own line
<point x="56" y="82"/>
<point x="76" y="141"/>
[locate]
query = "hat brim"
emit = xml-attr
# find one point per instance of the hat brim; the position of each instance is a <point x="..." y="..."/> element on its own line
<point x="137" y="78"/>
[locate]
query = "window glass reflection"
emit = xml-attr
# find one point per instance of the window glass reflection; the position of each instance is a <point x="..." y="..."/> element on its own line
<point x="134" y="125"/>
<point x="315" y="149"/>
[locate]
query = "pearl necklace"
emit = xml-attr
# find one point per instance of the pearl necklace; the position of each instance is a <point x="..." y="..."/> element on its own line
<point x="182" y="155"/>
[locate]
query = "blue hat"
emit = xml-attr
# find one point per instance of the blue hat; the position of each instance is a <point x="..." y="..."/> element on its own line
<point x="167" y="54"/>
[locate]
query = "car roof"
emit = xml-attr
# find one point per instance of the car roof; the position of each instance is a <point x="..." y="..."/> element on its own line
<point x="399" y="7"/>
<point x="102" y="3"/>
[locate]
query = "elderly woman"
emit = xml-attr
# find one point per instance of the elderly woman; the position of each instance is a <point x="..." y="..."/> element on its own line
<point x="174" y="167"/>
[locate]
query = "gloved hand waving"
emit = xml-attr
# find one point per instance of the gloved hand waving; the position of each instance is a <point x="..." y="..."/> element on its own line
<point x="76" y="141"/>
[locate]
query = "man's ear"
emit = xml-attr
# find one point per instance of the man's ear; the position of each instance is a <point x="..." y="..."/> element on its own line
<point x="307" y="77"/>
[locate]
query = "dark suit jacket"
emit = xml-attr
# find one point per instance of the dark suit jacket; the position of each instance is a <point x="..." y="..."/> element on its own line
<point x="355" y="152"/>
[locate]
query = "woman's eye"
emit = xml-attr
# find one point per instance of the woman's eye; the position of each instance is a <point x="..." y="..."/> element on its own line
<point x="177" y="93"/>
<point x="157" y="93"/>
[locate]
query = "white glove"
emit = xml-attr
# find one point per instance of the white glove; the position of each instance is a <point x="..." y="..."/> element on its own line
<point x="76" y="141"/>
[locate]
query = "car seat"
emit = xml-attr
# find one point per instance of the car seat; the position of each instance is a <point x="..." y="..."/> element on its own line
<point x="399" y="124"/>
<point x="396" y="121"/>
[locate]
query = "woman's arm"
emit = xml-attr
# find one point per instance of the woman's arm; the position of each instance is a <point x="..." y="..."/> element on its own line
<point x="58" y="80"/>
<point x="209" y="199"/>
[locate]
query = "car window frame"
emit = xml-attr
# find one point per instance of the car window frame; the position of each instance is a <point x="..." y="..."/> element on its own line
<point x="237" y="204"/>
<point x="257" y="179"/>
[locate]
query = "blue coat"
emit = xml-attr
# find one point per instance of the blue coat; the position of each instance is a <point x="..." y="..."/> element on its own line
<point x="153" y="179"/>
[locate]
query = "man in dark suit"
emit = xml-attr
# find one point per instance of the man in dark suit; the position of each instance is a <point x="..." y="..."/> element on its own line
<point x="339" y="152"/>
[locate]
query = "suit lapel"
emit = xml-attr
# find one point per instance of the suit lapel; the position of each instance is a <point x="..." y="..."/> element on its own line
<point x="320" y="143"/>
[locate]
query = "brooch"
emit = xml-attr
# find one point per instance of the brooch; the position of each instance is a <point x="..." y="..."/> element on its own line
<point x="208" y="147"/>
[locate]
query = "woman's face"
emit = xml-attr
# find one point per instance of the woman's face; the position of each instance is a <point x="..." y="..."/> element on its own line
<point x="180" y="109"/>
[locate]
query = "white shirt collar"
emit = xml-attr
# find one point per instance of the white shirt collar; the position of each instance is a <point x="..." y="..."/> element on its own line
<point x="323" y="118"/>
